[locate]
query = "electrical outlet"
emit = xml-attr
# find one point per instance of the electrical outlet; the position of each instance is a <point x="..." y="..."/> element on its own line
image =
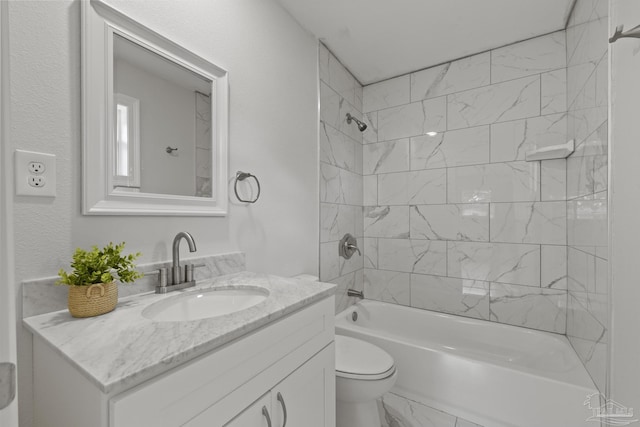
<point x="35" y="174"/>
<point x="36" y="181"/>
<point x="36" y="168"/>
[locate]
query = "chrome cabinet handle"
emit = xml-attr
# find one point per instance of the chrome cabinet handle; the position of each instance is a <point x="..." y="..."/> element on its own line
<point x="265" y="412"/>
<point x="284" y="408"/>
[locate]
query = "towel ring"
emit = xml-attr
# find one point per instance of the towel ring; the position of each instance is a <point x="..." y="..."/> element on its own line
<point x="241" y="176"/>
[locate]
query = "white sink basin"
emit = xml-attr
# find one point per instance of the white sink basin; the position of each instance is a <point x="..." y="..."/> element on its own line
<point x="204" y="304"/>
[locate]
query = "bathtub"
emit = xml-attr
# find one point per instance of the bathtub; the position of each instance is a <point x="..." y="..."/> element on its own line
<point x="491" y="374"/>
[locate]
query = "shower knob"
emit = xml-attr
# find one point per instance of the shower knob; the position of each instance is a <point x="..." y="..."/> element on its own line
<point x="348" y="246"/>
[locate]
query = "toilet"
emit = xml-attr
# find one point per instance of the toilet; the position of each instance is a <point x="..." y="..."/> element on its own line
<point x="364" y="372"/>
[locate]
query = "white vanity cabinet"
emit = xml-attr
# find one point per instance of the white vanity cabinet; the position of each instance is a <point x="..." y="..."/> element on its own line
<point x="298" y="400"/>
<point x="289" y="363"/>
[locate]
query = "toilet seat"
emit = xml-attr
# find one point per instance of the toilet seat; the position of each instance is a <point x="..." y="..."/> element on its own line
<point x="357" y="359"/>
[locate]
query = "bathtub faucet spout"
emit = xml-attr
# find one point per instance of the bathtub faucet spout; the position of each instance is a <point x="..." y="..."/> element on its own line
<point x="355" y="293"/>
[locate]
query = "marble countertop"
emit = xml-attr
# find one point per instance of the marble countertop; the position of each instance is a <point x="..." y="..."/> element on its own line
<point x="121" y="349"/>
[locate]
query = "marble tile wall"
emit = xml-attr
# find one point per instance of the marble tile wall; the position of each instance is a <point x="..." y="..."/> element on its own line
<point x="587" y="170"/>
<point x="341" y="197"/>
<point x="203" y="145"/>
<point x="454" y="219"/>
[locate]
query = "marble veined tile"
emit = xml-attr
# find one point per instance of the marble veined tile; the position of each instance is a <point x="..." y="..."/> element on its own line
<point x="323" y="62"/>
<point x="581" y="323"/>
<point x="587" y="10"/>
<point x="587" y="222"/>
<point x="334" y="109"/>
<point x="587" y="167"/>
<point x="466" y="222"/>
<point x="203" y="163"/>
<point x="413" y="256"/>
<point x="583" y="123"/>
<point x="577" y="78"/>
<point x="397" y="411"/>
<point x="512" y="140"/>
<point x="494" y="262"/>
<point x="413" y="119"/>
<point x="370" y="135"/>
<point x="553" y="261"/>
<point x="456" y="76"/>
<point x="388" y="93"/>
<point x="602" y="82"/>
<point x="496" y="182"/>
<point x="413" y="188"/>
<point x="536" y="308"/>
<point x="329" y="265"/>
<point x="453" y="148"/>
<point x="529" y="222"/>
<point x="533" y="56"/>
<point x="203" y="121"/>
<point x="463" y="297"/>
<point x="594" y="357"/>
<point x="596" y="304"/>
<point x="348" y="281"/>
<point x="386" y="221"/>
<point x="337" y="220"/>
<point x="337" y="149"/>
<point x="370" y="252"/>
<point x="581" y="270"/>
<point x="554" y="92"/>
<point x="553" y="180"/>
<point x="370" y="190"/>
<point x="339" y="186"/>
<point x="387" y="286"/>
<point x="341" y="80"/>
<point x="587" y="42"/>
<point x="511" y="100"/>
<point x="384" y="157"/>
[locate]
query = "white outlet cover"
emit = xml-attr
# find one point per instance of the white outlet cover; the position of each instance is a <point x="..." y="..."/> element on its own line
<point x="22" y="173"/>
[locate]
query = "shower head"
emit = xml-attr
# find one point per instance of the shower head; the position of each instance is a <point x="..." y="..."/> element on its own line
<point x="361" y="126"/>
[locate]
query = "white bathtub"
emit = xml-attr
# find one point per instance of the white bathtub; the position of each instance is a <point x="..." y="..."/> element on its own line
<point x="491" y="374"/>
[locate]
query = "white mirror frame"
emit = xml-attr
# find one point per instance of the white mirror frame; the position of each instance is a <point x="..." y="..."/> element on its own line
<point x="99" y="22"/>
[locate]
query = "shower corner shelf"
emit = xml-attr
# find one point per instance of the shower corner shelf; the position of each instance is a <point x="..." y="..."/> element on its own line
<point x="552" y="152"/>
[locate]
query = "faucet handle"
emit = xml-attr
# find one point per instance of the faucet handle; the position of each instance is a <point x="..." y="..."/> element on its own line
<point x="190" y="269"/>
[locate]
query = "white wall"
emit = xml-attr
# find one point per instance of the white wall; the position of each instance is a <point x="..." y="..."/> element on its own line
<point x="9" y="415"/>
<point x="272" y="65"/>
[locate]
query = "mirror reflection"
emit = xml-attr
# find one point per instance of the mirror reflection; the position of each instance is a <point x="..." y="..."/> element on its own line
<point x="163" y="138"/>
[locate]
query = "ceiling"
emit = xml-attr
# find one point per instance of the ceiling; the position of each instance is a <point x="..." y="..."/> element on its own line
<point x="380" y="39"/>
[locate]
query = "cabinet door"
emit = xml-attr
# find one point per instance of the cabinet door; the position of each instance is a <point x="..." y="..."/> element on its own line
<point x="307" y="396"/>
<point x="254" y="415"/>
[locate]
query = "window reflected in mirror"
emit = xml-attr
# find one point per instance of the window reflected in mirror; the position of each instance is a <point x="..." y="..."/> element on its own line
<point x="127" y="144"/>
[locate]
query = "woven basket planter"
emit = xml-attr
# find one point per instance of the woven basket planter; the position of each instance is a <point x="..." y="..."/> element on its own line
<point x="92" y="300"/>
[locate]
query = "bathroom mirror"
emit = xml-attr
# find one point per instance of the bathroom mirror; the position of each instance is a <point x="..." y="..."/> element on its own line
<point x="155" y="121"/>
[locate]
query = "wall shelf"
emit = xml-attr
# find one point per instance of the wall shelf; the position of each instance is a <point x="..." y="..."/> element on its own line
<point x="552" y="152"/>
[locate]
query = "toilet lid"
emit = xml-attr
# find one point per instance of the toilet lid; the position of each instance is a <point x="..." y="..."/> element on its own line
<point x="357" y="358"/>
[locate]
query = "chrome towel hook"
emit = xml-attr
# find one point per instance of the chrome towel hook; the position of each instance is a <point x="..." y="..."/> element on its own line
<point x="241" y="176"/>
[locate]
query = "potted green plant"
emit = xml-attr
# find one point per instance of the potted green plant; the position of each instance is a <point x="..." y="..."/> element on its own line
<point x="92" y="287"/>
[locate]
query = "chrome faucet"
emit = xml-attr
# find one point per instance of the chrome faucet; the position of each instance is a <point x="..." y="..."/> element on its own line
<point x="178" y="280"/>
<point x="176" y="270"/>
